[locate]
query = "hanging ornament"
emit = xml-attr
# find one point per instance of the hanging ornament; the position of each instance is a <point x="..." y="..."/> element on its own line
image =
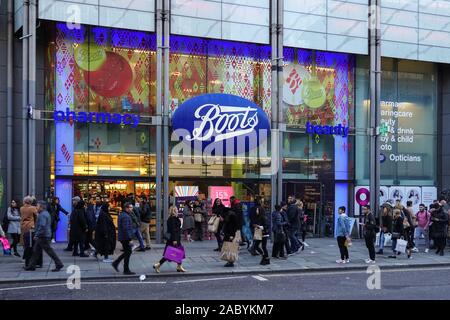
<point x="317" y="139"/>
<point x="143" y="137"/>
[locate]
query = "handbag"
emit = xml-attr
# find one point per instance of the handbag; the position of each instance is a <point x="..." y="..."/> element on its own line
<point x="174" y="254"/>
<point x="198" y="217"/>
<point x="406" y="223"/>
<point x="401" y="245"/>
<point x="229" y="251"/>
<point x="213" y="224"/>
<point x="6" y="246"/>
<point x="387" y="239"/>
<point x="348" y="242"/>
<point x="257" y="235"/>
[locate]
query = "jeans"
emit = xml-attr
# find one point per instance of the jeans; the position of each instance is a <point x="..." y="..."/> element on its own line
<point x="381" y="244"/>
<point x="278" y="248"/>
<point x="295" y="245"/>
<point x="44" y="244"/>
<point x="421" y="231"/>
<point x="145" y="230"/>
<point x="342" y="248"/>
<point x="138" y="235"/>
<point x="263" y="252"/>
<point x="370" y="244"/>
<point x="125" y="256"/>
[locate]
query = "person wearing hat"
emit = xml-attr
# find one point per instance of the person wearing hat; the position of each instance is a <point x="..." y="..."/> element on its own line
<point x="386" y="223"/>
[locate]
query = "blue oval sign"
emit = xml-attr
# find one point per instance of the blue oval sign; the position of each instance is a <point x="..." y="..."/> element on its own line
<point x="221" y="122"/>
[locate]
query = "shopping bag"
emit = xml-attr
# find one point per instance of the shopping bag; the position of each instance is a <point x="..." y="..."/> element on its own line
<point x="229" y="251"/>
<point x="238" y="237"/>
<point x="6" y="246"/>
<point x="175" y="254"/>
<point x="401" y="245"/>
<point x="213" y="224"/>
<point x="377" y="238"/>
<point x="258" y="234"/>
<point x="387" y="239"/>
<point x="348" y="242"/>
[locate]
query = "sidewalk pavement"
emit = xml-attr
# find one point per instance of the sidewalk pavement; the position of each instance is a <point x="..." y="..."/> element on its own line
<point x="320" y="255"/>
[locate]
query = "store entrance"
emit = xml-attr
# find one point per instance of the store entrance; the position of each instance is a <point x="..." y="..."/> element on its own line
<point x="117" y="192"/>
<point x="318" y="206"/>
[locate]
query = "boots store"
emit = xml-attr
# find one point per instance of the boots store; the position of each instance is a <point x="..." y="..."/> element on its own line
<point x="100" y="93"/>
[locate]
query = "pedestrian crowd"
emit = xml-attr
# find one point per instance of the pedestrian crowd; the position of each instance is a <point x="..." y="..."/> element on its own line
<point x="92" y="231"/>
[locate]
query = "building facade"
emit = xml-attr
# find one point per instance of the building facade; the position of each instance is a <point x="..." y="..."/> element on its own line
<point x="98" y="100"/>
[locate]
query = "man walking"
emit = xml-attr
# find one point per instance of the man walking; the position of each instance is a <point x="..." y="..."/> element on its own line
<point x="422" y="229"/>
<point x="136" y="219"/>
<point x="125" y="234"/>
<point x="293" y="219"/>
<point x="43" y="236"/>
<point x="146" y="216"/>
<point x="370" y="232"/>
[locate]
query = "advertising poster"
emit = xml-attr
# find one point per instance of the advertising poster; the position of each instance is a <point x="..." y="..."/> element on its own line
<point x="414" y="194"/>
<point x="384" y="194"/>
<point x="224" y="193"/>
<point x="429" y="194"/>
<point x="397" y="193"/>
<point x="183" y="193"/>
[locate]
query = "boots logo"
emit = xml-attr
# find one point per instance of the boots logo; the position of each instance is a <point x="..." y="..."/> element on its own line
<point x="215" y="118"/>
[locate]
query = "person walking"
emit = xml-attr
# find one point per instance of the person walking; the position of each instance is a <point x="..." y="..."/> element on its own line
<point x="78" y="227"/>
<point x="55" y="209"/>
<point x="42" y="236"/>
<point x="397" y="231"/>
<point x="92" y="212"/>
<point x="28" y="216"/>
<point x="292" y="213"/>
<point x="279" y="234"/>
<point x="386" y="224"/>
<point x="303" y="220"/>
<point x="423" y="223"/>
<point x="254" y="212"/>
<point x="125" y="235"/>
<point x="146" y="217"/>
<point x="105" y="234"/>
<point x="413" y="225"/>
<point x="188" y="220"/>
<point x="230" y="228"/>
<point x="218" y="210"/>
<point x="343" y="235"/>
<point x="199" y="217"/>
<point x="370" y="232"/>
<point x="13" y="216"/>
<point x="283" y="212"/>
<point x="439" y="220"/>
<point x="262" y="225"/>
<point x="236" y="206"/>
<point x="173" y="238"/>
<point x="135" y="218"/>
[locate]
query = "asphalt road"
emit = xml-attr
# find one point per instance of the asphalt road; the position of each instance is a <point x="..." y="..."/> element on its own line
<point x="422" y="284"/>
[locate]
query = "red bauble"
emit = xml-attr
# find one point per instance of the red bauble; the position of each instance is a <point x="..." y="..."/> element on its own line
<point x="113" y="78"/>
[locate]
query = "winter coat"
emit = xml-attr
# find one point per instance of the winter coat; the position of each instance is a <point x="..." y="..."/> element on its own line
<point x="278" y="222"/>
<point x="370" y="226"/>
<point x="439" y="220"/>
<point x="253" y="214"/>
<point x="91" y="220"/>
<point x="188" y="219"/>
<point x="14" y="220"/>
<point x="174" y="229"/>
<point x="146" y="213"/>
<point x="54" y="210"/>
<point x="397" y="226"/>
<point x="293" y="213"/>
<point x="28" y="214"/>
<point x="78" y="224"/>
<point x="236" y="206"/>
<point x="135" y="218"/>
<point x="125" y="231"/>
<point x="105" y="234"/>
<point x="261" y="220"/>
<point x="219" y="211"/>
<point x="44" y="225"/>
<point x="230" y="226"/>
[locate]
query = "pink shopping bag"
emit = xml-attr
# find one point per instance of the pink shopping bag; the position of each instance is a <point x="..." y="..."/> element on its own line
<point x="6" y="246"/>
<point x="175" y="254"/>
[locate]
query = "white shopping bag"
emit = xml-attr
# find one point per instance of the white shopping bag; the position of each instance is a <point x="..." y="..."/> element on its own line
<point x="387" y="239"/>
<point x="401" y="245"/>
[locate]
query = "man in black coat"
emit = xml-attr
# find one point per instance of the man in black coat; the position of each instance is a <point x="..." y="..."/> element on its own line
<point x="78" y="227"/>
<point x="293" y="219"/>
<point x="370" y="232"/>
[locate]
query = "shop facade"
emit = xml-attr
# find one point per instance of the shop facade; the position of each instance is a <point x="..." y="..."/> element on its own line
<point x="100" y="89"/>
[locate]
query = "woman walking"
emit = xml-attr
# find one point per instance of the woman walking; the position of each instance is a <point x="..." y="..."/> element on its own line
<point x="199" y="217"/>
<point x="279" y="235"/>
<point x="386" y="224"/>
<point x="105" y="234"/>
<point x="218" y="209"/>
<point x="397" y="231"/>
<point x="230" y="227"/>
<point x="173" y="238"/>
<point x="13" y="215"/>
<point x="262" y="225"/>
<point x="188" y="220"/>
<point x="54" y="210"/>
